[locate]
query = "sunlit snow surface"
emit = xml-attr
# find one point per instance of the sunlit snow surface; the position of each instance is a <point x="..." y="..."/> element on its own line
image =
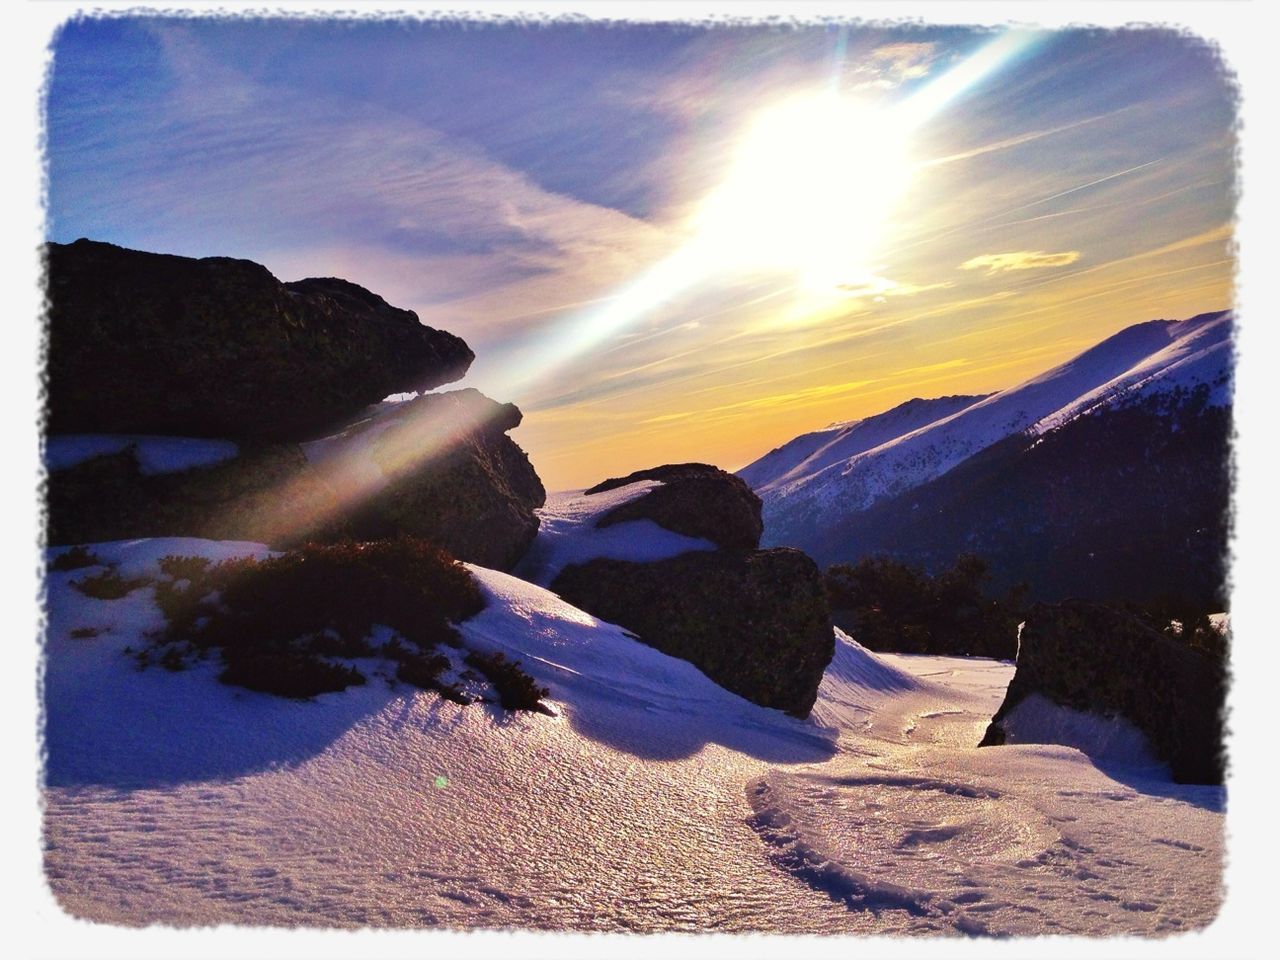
<point x="653" y="800"/>
<point x="567" y="533"/>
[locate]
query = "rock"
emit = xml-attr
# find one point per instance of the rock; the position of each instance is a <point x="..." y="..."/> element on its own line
<point x="696" y="499"/>
<point x="268" y="494"/>
<point x="439" y="467"/>
<point x="1104" y="660"/>
<point x="754" y="621"/>
<point x="451" y="474"/>
<point x="158" y="344"/>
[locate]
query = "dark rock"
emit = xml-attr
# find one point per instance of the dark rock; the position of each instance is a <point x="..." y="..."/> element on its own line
<point x="1106" y="660"/>
<point x="269" y="494"/>
<point x="697" y="500"/>
<point x="755" y="622"/>
<point x="453" y="477"/>
<point x="439" y="467"/>
<point x="152" y="343"/>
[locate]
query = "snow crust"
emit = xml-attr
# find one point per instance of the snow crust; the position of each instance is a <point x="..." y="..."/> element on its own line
<point x="568" y="533"/>
<point x="652" y="800"/>
<point x="155" y="455"/>
<point x="1039" y="720"/>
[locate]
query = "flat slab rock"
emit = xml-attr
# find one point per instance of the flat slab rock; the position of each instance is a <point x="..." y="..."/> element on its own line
<point x="439" y="467"/>
<point x="217" y="347"/>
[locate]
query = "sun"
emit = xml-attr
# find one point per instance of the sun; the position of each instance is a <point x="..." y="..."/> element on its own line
<point x="810" y="190"/>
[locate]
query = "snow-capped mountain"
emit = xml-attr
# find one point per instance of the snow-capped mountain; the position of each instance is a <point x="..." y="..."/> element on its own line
<point x="839" y="508"/>
<point x="811" y="453"/>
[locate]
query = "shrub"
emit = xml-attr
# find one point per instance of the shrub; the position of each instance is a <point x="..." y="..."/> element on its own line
<point x="75" y="559"/>
<point x="184" y="568"/>
<point x="286" y="673"/>
<point x="109" y="585"/>
<point x="1187" y="621"/>
<point x="891" y="606"/>
<point x="516" y="689"/>
<point x="276" y="620"/>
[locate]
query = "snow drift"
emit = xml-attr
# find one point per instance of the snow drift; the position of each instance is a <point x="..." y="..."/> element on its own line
<point x="652" y="800"/>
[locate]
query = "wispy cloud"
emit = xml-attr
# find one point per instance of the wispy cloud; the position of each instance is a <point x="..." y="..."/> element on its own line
<point x="892" y="64"/>
<point x="429" y="219"/>
<point x="1020" y="260"/>
<point x="1022" y="138"/>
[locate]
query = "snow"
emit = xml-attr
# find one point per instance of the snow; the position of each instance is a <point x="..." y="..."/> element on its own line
<point x="1139" y="361"/>
<point x="155" y="455"/>
<point x="1039" y="720"/>
<point x="814" y="452"/>
<point x="568" y="533"/>
<point x="652" y="799"/>
<point x="1200" y="354"/>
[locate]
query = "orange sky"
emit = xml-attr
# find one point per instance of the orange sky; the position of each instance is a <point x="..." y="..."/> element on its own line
<point x="654" y="244"/>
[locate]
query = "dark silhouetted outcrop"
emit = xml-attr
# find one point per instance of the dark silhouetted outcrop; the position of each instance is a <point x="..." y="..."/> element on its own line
<point x="152" y="343"/>
<point x="757" y="622"/>
<point x="1108" y="661"/>
<point x="439" y="467"/>
<point x="453" y="476"/>
<point x="695" y="499"/>
<point x="754" y="621"/>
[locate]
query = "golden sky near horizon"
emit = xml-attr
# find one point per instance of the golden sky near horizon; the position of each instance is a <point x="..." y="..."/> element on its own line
<point x="670" y="245"/>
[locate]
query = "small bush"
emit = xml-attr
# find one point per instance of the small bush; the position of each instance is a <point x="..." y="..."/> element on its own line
<point x="109" y="585"/>
<point x="75" y="559"/>
<point x="184" y="568"/>
<point x="276" y="620"/>
<point x="422" y="671"/>
<point x="516" y="689"/>
<point x="1187" y="622"/>
<point x="286" y="674"/>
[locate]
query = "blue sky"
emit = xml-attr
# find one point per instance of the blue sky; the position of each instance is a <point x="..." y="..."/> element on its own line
<point x="512" y="183"/>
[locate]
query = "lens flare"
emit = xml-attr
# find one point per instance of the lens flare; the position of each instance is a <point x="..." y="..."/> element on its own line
<point x="809" y="192"/>
<point x="811" y="188"/>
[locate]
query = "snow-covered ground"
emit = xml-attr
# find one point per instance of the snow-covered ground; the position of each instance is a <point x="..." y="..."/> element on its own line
<point x="652" y="800"/>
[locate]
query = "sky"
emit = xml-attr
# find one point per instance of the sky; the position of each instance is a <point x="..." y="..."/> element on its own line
<point x="680" y="242"/>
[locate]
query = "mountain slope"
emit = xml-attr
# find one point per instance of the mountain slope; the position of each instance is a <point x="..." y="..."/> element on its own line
<point x="802" y="504"/>
<point x="1122" y="503"/>
<point x="813" y="452"/>
<point x="1101" y="477"/>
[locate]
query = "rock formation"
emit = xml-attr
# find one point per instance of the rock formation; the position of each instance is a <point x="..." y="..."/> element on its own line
<point x="695" y="499"/>
<point x="1104" y="660"/>
<point x="157" y="344"/>
<point x="148" y="344"/>
<point x="755" y="621"/>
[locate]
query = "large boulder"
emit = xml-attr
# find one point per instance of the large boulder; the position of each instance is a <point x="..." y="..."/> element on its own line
<point x="755" y="621"/>
<point x="157" y="344"/>
<point x="445" y="470"/>
<point x="695" y="499"/>
<point x="439" y="467"/>
<point x="1106" y="661"/>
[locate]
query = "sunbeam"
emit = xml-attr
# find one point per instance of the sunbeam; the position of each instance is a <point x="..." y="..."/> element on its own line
<point x="809" y="190"/>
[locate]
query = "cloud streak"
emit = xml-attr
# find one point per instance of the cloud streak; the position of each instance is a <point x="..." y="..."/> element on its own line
<point x="1020" y="260"/>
